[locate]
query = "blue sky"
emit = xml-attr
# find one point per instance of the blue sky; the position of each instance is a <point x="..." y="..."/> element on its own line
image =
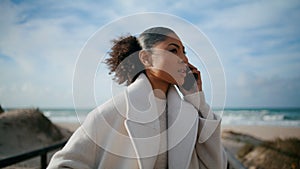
<point x="258" y="43"/>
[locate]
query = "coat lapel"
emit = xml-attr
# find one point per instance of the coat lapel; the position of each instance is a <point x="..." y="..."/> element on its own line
<point x="182" y="132"/>
<point x="142" y="121"/>
<point x="142" y="125"/>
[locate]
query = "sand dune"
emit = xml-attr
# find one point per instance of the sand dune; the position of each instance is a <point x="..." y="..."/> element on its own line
<point x="25" y="130"/>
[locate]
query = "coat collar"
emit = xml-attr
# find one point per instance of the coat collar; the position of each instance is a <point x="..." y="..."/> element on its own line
<point x="182" y="131"/>
<point x="142" y="121"/>
<point x="141" y="102"/>
<point x="143" y="127"/>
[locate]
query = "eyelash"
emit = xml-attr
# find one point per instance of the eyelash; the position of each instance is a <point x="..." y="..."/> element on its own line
<point x="175" y="51"/>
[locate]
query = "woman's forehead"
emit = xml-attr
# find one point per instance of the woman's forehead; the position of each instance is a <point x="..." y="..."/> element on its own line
<point x="173" y="35"/>
<point x="172" y="39"/>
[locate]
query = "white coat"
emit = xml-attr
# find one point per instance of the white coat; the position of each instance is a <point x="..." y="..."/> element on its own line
<point x="124" y="133"/>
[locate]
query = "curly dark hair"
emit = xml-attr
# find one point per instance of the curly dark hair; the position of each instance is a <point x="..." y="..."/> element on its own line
<point x="124" y="59"/>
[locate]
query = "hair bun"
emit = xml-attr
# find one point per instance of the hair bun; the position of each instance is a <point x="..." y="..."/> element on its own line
<point x="120" y="63"/>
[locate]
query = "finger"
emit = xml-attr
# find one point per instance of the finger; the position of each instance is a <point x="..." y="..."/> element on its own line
<point x="199" y="80"/>
<point x="194" y="70"/>
<point x="191" y="66"/>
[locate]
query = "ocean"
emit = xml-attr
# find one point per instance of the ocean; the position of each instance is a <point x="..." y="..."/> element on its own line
<point x="261" y="116"/>
<point x="230" y="116"/>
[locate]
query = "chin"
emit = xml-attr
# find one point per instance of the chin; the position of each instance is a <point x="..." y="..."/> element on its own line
<point x="180" y="82"/>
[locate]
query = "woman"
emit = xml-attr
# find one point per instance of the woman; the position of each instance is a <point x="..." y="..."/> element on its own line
<point x="149" y="125"/>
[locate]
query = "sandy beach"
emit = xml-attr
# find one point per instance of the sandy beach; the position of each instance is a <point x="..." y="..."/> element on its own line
<point x="260" y="132"/>
<point x="237" y="138"/>
<point x="234" y="137"/>
<point x="262" y="146"/>
<point x="265" y="132"/>
<point x="254" y="145"/>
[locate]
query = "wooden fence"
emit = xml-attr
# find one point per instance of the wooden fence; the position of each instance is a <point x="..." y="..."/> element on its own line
<point x="233" y="163"/>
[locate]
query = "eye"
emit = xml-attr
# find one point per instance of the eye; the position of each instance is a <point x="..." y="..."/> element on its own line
<point x="175" y="51"/>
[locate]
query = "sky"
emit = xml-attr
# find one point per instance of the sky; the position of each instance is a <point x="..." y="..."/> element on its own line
<point x="258" y="43"/>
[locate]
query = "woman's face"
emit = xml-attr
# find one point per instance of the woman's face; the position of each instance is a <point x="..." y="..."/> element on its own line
<point x="169" y="62"/>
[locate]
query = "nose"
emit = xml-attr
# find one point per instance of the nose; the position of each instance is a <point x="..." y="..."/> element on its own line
<point x="184" y="59"/>
<point x="185" y="62"/>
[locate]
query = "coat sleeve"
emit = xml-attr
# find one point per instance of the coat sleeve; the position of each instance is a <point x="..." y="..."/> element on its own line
<point x="209" y="148"/>
<point x="80" y="152"/>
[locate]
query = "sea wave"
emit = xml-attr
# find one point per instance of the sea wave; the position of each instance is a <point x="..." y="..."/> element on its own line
<point x="279" y="117"/>
<point x="242" y="116"/>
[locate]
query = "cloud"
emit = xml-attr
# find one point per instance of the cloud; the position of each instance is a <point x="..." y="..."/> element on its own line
<point x="256" y="34"/>
<point x="249" y="15"/>
<point x="251" y="90"/>
<point x="37" y="51"/>
<point x="258" y="42"/>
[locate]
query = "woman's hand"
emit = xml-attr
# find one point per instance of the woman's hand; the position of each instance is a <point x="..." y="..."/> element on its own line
<point x="197" y="86"/>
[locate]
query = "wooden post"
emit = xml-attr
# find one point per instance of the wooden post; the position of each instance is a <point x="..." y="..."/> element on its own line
<point x="44" y="161"/>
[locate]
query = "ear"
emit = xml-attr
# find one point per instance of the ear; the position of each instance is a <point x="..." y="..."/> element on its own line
<point x="145" y="58"/>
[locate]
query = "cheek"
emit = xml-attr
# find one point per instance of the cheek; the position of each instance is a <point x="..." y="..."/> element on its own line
<point x="167" y="68"/>
<point x="167" y="64"/>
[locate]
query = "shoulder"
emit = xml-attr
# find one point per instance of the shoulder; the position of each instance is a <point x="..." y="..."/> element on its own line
<point x="117" y="104"/>
<point x="107" y="118"/>
<point x="114" y="108"/>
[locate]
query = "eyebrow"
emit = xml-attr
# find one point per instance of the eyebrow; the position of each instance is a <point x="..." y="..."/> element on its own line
<point x="174" y="45"/>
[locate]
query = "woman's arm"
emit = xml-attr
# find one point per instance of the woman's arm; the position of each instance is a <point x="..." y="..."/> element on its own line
<point x="209" y="147"/>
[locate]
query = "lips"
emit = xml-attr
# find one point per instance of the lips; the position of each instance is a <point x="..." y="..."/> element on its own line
<point x="182" y="72"/>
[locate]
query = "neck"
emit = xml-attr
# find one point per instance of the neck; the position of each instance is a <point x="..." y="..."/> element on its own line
<point x="160" y="87"/>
